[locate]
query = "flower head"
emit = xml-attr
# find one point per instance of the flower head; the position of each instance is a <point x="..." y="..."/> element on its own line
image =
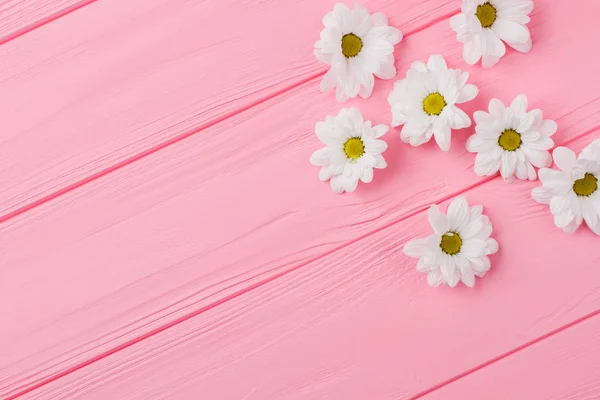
<point x="352" y="149"/>
<point x="357" y="46"/>
<point x="425" y="102"/>
<point x="459" y="247"/>
<point x="484" y="24"/>
<point x="511" y="140"/>
<point x="572" y="190"/>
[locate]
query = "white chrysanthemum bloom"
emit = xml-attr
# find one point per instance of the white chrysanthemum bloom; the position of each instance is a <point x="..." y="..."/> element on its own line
<point x="352" y="150"/>
<point x="357" y="46"/>
<point x="511" y="140"/>
<point x="572" y="191"/>
<point x="484" y="24"/>
<point x="459" y="247"/>
<point x="425" y="102"/>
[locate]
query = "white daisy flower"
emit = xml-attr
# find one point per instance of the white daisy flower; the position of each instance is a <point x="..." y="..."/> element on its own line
<point x="352" y="150"/>
<point x="357" y="46"/>
<point x="484" y="24"/>
<point x="459" y="247"/>
<point x="425" y="102"/>
<point x="572" y="191"/>
<point x="511" y="140"/>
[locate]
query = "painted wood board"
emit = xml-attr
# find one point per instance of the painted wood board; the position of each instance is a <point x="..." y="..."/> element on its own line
<point x="135" y="79"/>
<point x="75" y="220"/>
<point x="17" y="17"/>
<point x="561" y="367"/>
<point x="159" y="264"/>
<point x="361" y="323"/>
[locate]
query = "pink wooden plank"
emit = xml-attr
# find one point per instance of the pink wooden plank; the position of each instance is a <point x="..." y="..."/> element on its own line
<point x="167" y="237"/>
<point x="136" y="77"/>
<point x="18" y="17"/>
<point x="564" y="366"/>
<point x="360" y="323"/>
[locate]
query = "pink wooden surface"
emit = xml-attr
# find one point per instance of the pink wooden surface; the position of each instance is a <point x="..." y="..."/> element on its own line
<point x="18" y="17"/>
<point x="134" y="80"/>
<point x="163" y="234"/>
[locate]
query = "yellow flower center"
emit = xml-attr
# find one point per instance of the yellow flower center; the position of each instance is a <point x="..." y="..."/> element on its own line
<point x="351" y="45"/>
<point x="354" y="148"/>
<point x="434" y="104"/>
<point x="509" y="140"/>
<point x="451" y="243"/>
<point x="486" y="14"/>
<point x="586" y="185"/>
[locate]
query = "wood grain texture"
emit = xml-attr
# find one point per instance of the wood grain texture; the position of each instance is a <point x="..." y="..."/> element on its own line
<point x="562" y="367"/>
<point x="189" y="227"/>
<point x="360" y="323"/>
<point x="136" y="77"/>
<point x="18" y="17"/>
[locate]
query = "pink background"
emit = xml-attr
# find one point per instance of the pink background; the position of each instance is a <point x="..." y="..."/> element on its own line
<point x="163" y="236"/>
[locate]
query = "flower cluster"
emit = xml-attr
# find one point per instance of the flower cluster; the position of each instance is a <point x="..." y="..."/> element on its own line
<point x="510" y="140"/>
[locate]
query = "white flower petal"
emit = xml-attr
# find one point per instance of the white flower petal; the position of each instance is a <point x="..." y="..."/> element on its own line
<point x="563" y="220"/>
<point x="509" y="164"/>
<point x="379" y="19"/>
<point x="376" y="146"/>
<point x="539" y="158"/>
<point x="320" y="157"/>
<point x="342" y="15"/>
<point x="417" y="248"/>
<point x="467" y="93"/>
<point x="437" y="63"/>
<point x="510" y="31"/>
<point x="337" y="184"/>
<point x="473" y="228"/>
<point x="458" y="214"/>
<point x="442" y="137"/>
<point x="478" y="143"/>
<point x="367" y="175"/>
<point x="492" y="246"/>
<point x="460" y="119"/>
<point x="474" y="248"/>
<point x="437" y="220"/>
<point x="488" y="61"/>
<point x="522" y="47"/>
<point x="555" y="181"/>
<point x="564" y="158"/>
<point x="350" y="184"/>
<point x="519" y="105"/>
<point x="379" y="130"/>
<point x="468" y="278"/>
<point x="591" y="151"/>
<point x="386" y="71"/>
<point x="434" y="278"/>
<point x="472" y="51"/>
<point x="486" y="164"/>
<point x="496" y="108"/>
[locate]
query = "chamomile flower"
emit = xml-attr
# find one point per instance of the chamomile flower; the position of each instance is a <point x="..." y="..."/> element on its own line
<point x="459" y="247"/>
<point x="484" y="24"/>
<point x="511" y="140"/>
<point x="425" y="102"/>
<point x="572" y="190"/>
<point x="352" y="149"/>
<point x="356" y="45"/>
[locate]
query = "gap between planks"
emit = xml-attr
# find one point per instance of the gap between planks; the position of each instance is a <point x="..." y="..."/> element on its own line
<point x="43" y="21"/>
